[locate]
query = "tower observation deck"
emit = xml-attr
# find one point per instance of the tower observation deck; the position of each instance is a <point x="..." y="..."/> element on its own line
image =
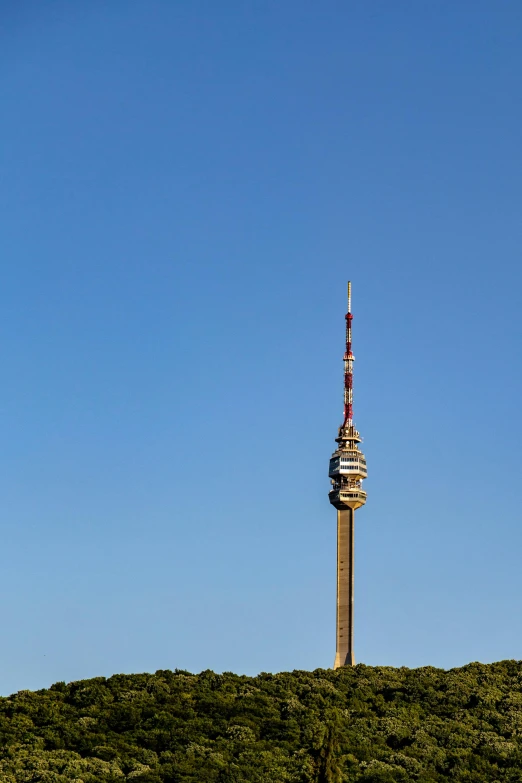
<point x="347" y="472"/>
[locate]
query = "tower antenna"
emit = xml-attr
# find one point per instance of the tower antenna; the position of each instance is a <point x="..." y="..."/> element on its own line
<point x="348" y="365"/>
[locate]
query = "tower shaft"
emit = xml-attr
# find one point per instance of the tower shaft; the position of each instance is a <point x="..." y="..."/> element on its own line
<point x="344" y="654"/>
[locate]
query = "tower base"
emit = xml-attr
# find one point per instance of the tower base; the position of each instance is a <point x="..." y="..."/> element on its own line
<point x="348" y="660"/>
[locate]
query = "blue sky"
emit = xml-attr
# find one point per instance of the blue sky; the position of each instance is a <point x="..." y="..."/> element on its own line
<point x="185" y="190"/>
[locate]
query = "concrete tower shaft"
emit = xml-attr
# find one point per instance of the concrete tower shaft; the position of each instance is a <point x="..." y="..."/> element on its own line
<point x="347" y="472"/>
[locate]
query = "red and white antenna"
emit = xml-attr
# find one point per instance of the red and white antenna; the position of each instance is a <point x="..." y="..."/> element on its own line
<point x="348" y="365"/>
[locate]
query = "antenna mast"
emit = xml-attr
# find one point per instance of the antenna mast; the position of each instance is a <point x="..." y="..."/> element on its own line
<point x="348" y="366"/>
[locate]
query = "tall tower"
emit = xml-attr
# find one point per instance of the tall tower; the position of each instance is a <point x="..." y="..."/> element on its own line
<point x="347" y="471"/>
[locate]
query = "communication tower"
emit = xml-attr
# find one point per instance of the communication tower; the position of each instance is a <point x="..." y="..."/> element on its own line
<point x="347" y="472"/>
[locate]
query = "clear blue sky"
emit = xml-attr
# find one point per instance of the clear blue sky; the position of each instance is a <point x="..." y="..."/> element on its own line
<point x="185" y="189"/>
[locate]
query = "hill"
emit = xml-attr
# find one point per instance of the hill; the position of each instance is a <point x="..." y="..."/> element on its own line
<point x="366" y="724"/>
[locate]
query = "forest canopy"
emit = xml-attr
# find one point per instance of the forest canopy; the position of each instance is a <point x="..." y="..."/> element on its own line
<point x="364" y="724"/>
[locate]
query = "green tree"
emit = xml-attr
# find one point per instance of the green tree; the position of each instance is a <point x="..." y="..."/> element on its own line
<point x="327" y="754"/>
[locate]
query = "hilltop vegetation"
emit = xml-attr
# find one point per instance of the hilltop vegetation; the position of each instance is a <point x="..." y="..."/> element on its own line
<point x="371" y="725"/>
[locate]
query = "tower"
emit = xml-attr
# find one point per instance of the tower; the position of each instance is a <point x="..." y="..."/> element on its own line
<point x="347" y="471"/>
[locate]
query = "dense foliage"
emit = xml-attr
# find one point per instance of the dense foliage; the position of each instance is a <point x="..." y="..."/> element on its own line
<point x="363" y="724"/>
